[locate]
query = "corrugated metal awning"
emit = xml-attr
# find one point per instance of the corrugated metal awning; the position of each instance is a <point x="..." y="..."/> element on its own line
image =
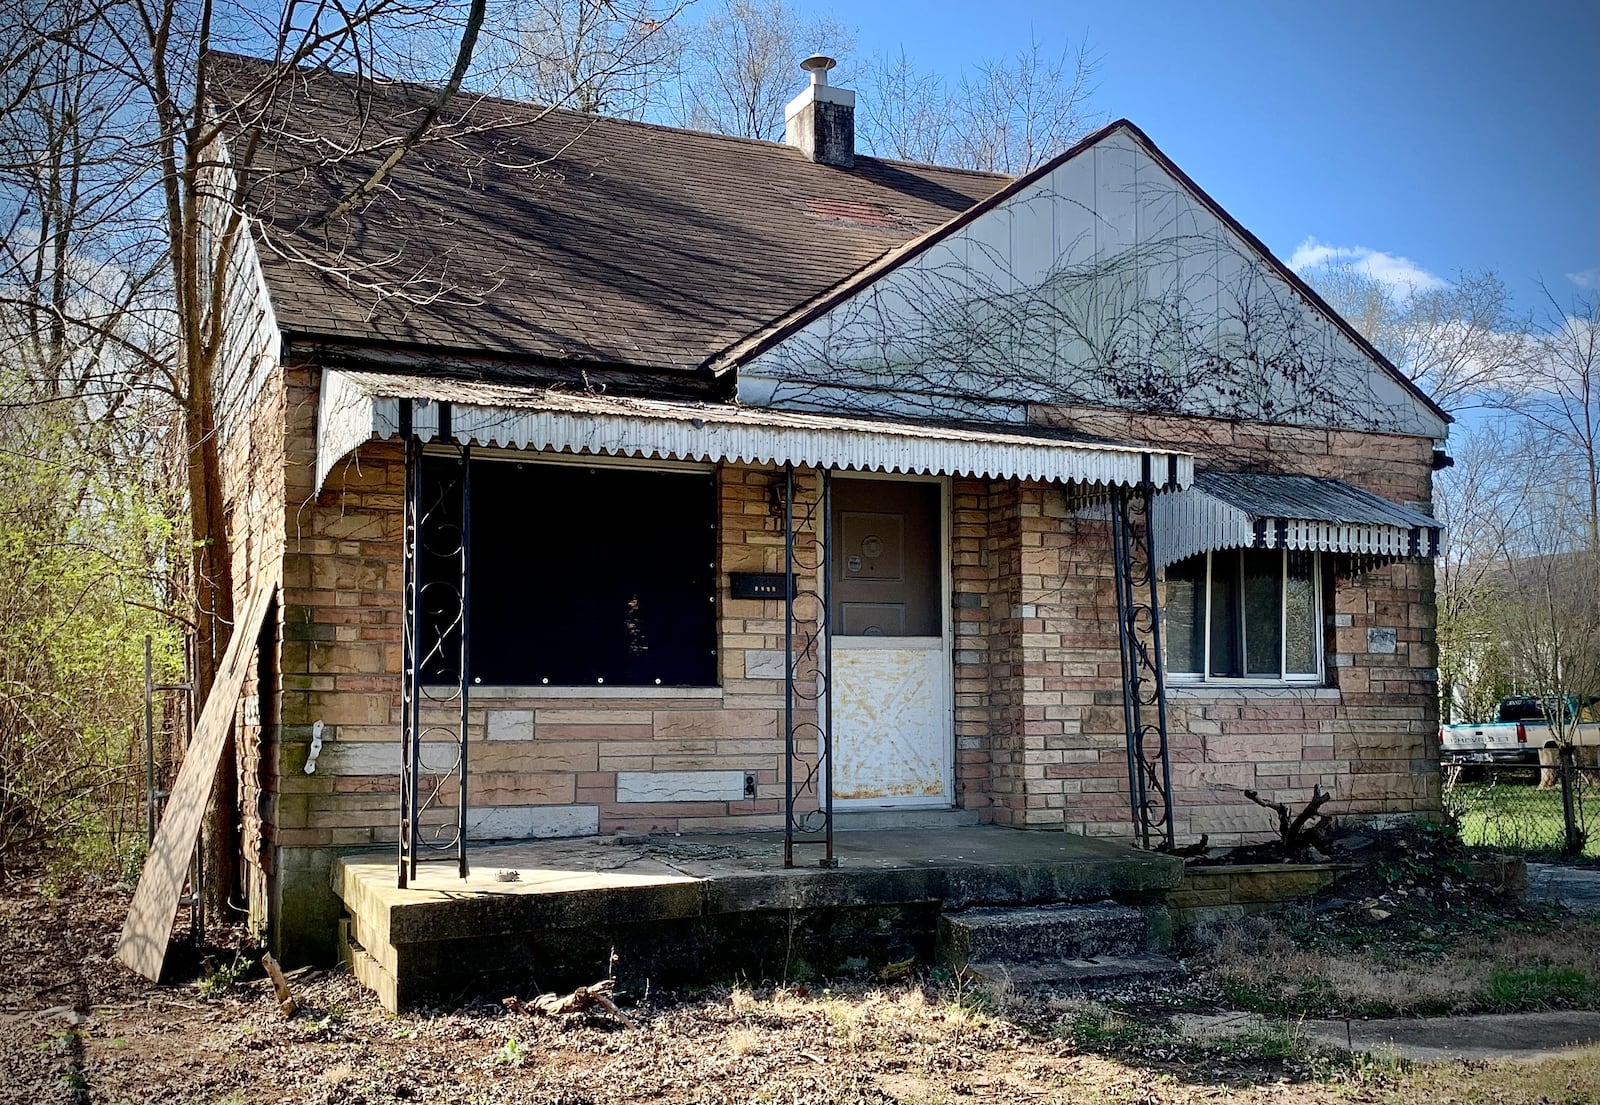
<point x="358" y="406"/>
<point x="1239" y="510"/>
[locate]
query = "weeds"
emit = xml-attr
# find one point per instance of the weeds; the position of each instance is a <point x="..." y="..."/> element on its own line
<point x="1274" y="1040"/>
<point x="1094" y="1027"/>
<point x="223" y="979"/>
<point x="1542" y="987"/>
<point x="1261" y="967"/>
<point x="130" y="860"/>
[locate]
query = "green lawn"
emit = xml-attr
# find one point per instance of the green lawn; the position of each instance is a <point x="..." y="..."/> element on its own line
<point x="1515" y="814"/>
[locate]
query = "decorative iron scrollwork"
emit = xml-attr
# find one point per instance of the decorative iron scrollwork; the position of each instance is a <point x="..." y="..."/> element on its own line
<point x="808" y="655"/>
<point x="1144" y="688"/>
<point x="434" y="652"/>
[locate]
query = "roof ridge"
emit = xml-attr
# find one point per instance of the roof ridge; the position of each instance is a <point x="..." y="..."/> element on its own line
<point x="479" y="96"/>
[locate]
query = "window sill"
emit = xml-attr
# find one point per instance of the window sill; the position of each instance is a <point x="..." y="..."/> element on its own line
<point x="481" y="693"/>
<point x="1279" y="691"/>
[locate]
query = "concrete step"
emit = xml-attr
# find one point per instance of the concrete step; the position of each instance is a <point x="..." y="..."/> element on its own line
<point x="1070" y="973"/>
<point x="1040" y="934"/>
<point x="858" y="821"/>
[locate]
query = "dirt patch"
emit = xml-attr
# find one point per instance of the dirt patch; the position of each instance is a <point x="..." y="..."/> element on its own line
<point x="76" y="1027"/>
<point x="1412" y="930"/>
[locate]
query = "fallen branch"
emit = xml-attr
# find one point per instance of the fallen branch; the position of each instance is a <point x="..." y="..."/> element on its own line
<point x="582" y="1000"/>
<point x="1292" y="831"/>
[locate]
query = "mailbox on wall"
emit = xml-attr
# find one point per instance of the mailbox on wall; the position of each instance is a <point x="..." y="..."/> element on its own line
<point x="756" y="585"/>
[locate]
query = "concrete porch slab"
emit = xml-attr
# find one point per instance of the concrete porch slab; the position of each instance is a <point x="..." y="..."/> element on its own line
<point x="679" y="903"/>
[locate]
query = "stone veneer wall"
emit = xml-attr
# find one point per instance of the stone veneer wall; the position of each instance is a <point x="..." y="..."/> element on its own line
<point x="1367" y="736"/>
<point x="542" y="762"/>
<point x="1039" y="738"/>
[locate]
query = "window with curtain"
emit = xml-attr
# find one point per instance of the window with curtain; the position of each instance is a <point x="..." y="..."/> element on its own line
<point x="1247" y="615"/>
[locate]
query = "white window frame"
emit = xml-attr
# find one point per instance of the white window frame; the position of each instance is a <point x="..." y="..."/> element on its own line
<point x="1297" y="679"/>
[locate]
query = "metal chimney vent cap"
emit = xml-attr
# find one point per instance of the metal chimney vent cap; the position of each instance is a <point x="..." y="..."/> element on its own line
<point x="818" y="65"/>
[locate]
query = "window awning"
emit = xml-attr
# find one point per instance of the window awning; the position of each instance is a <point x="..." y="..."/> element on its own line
<point x="358" y="406"/>
<point x="1243" y="510"/>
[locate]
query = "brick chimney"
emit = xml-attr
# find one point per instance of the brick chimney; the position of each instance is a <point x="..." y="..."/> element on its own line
<point x="821" y="121"/>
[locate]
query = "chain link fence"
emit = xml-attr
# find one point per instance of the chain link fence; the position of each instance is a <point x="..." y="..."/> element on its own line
<point x="1552" y="809"/>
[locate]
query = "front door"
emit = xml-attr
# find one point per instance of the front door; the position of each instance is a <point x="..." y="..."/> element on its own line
<point x="891" y="663"/>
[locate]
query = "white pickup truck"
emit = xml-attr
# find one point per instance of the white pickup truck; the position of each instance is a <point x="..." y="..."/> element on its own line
<point x="1520" y="729"/>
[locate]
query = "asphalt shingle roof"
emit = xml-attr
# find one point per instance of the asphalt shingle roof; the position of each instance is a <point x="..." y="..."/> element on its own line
<point x="547" y="234"/>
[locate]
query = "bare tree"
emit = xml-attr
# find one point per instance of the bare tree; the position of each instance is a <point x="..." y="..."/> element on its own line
<point x="1557" y="389"/>
<point x="741" y="61"/>
<point x="1009" y="115"/>
<point x="595" y="56"/>
<point x="1469" y="501"/>
<point x="123" y="216"/>
<point x="905" y="112"/>
<point x="1459" y="342"/>
<point x="1016" y="113"/>
<point x="84" y="438"/>
<point x="1548" y="575"/>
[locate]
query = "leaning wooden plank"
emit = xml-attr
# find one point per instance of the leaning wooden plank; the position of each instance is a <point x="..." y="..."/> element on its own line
<point x="143" y="945"/>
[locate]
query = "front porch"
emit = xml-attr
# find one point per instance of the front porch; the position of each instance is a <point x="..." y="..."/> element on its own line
<point x="683" y="908"/>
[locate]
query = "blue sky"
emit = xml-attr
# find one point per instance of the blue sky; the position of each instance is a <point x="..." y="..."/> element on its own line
<point x="1450" y="135"/>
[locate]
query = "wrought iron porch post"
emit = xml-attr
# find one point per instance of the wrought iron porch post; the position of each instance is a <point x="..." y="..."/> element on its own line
<point x="417" y="650"/>
<point x="1157" y="665"/>
<point x="808" y="655"/>
<point x="825" y="613"/>
<point x="466" y="655"/>
<point x="788" y="665"/>
<point x="1144" y="692"/>
<point x="1119" y="559"/>
<point x="410" y="635"/>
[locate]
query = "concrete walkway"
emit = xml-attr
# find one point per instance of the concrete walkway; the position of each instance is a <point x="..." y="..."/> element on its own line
<point x="1487" y="1036"/>
<point x="1577" y="888"/>
<point x="1519" y="1036"/>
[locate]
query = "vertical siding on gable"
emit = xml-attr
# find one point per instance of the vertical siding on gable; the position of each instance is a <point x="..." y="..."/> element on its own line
<point x="1103" y="255"/>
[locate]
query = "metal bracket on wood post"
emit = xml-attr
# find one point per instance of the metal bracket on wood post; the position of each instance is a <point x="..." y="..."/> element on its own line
<point x="435" y="642"/>
<point x="1144" y="687"/>
<point x="807" y="685"/>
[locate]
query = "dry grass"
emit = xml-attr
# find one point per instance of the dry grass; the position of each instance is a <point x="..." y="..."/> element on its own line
<point x="743" y="1041"/>
<point x="77" y="1028"/>
<point x="1261" y="966"/>
<point x="1571" y="1079"/>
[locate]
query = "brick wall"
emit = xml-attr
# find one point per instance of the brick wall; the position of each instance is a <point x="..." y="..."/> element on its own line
<point x="542" y="763"/>
<point x="1367" y="736"/>
<point x="252" y="457"/>
<point x="247" y="388"/>
<point x="1038" y="705"/>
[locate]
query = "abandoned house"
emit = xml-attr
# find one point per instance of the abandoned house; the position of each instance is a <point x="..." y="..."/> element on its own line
<point x="621" y="479"/>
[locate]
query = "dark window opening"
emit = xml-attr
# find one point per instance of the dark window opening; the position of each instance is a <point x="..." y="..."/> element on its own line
<point x="581" y="576"/>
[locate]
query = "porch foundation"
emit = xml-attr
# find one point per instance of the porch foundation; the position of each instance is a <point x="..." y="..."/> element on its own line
<point x="546" y="915"/>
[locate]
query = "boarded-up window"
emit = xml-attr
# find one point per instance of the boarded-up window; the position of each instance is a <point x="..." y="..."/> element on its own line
<point x="580" y="575"/>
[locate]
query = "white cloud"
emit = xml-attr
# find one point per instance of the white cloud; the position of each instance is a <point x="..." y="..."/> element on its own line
<point x="1399" y="274"/>
<point x="1588" y="279"/>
